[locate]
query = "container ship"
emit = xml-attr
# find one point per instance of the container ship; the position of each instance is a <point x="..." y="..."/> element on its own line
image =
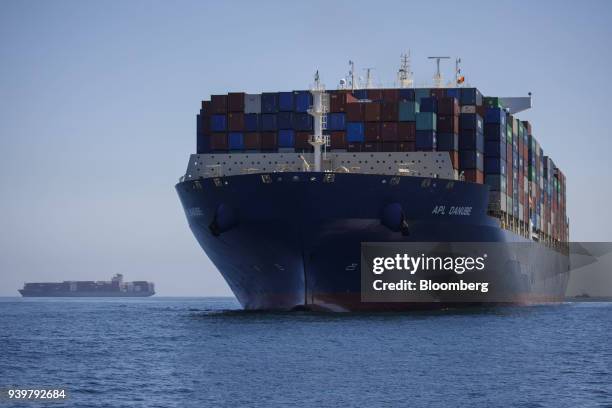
<point x="285" y="186"/>
<point x="115" y="288"/>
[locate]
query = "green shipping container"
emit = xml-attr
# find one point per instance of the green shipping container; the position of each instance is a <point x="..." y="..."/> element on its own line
<point x="492" y="102"/>
<point x="509" y="134"/>
<point x="425" y="121"/>
<point x="532" y="173"/>
<point x="407" y="111"/>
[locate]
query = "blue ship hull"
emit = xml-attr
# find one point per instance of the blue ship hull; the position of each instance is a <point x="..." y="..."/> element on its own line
<point x="290" y="240"/>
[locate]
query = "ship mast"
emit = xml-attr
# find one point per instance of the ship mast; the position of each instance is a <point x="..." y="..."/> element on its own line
<point x="351" y="77"/>
<point x="318" y="112"/>
<point x="437" y="79"/>
<point x="369" y="77"/>
<point x="404" y="75"/>
<point x="459" y="79"/>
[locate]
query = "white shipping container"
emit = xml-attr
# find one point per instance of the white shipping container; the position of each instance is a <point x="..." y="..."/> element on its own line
<point x="468" y="109"/>
<point x="252" y="103"/>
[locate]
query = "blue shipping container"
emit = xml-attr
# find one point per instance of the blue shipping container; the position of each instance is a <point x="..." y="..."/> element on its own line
<point x="236" y="141"/>
<point x="471" y="121"/>
<point x="471" y="140"/>
<point x="429" y="104"/>
<point x="203" y="144"/>
<point x="251" y="122"/>
<point x="268" y="122"/>
<point x="425" y="140"/>
<point x="470" y="96"/>
<point x="447" y="142"/>
<point x="360" y="93"/>
<point x="303" y="100"/>
<point x="218" y="123"/>
<point x="406" y="94"/>
<point x="495" y="115"/>
<point x="454" y="93"/>
<point x="495" y="148"/>
<point x="355" y="132"/>
<point x="285" y="101"/>
<point x="495" y="165"/>
<point x="284" y="120"/>
<point x="495" y="132"/>
<point x="269" y="102"/>
<point x="471" y="160"/>
<point x="335" y="121"/>
<point x="286" y="138"/>
<point x="302" y="122"/>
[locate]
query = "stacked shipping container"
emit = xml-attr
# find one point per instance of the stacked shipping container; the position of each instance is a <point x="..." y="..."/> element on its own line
<point x="486" y="144"/>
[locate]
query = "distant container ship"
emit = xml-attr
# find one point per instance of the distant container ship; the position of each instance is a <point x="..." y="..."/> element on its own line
<point x="285" y="186"/>
<point x="113" y="288"/>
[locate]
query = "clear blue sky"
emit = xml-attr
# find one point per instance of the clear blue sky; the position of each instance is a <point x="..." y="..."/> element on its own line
<point x="98" y="104"/>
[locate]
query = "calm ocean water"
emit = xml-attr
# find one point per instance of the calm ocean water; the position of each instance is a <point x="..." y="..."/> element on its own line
<point x="179" y="352"/>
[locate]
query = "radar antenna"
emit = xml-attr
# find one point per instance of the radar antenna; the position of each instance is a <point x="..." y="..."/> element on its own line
<point x="318" y="111"/>
<point x="404" y="74"/>
<point x="437" y="79"/>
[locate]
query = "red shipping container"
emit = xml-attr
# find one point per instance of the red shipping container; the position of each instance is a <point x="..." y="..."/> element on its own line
<point x="406" y="131"/>
<point x="338" y="140"/>
<point x="481" y="110"/>
<point x="448" y="124"/>
<point x="448" y="106"/>
<point x="355" y="112"/>
<point x="339" y="99"/>
<point x="269" y="140"/>
<point x="527" y="126"/>
<point x="375" y="94"/>
<point x="301" y="140"/>
<point x="252" y="141"/>
<point x="406" y="147"/>
<point x="389" y="112"/>
<point x="372" y="147"/>
<point x="206" y="108"/>
<point x="372" y="131"/>
<point x="218" y="141"/>
<point x="372" y="112"/>
<point x="388" y="132"/>
<point x="218" y="104"/>
<point x="354" y="147"/>
<point x="389" y="147"/>
<point x="475" y="176"/>
<point x="390" y="95"/>
<point x="235" y="121"/>
<point x="235" y="102"/>
<point x="454" y="157"/>
<point x="204" y="124"/>
<point x="437" y="92"/>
